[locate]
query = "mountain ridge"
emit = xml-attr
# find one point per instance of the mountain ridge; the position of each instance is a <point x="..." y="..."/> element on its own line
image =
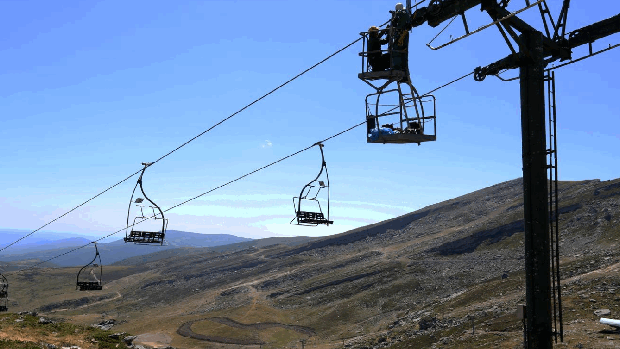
<point x="115" y="251"/>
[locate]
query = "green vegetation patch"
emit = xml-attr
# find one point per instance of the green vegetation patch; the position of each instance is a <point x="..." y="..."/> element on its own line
<point x="58" y="333"/>
<point x="213" y="329"/>
<point x="225" y="330"/>
<point x="9" y="344"/>
<point x="424" y="341"/>
<point x="280" y="337"/>
<point x="494" y="288"/>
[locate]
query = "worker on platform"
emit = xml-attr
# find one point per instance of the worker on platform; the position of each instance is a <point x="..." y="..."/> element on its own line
<point x="378" y="60"/>
<point x="415" y="128"/>
<point x="401" y="24"/>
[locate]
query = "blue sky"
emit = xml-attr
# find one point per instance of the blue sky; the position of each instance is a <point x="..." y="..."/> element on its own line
<point x="90" y="89"/>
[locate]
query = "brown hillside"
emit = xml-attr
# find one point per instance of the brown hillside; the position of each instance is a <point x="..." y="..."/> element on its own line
<point x="416" y="281"/>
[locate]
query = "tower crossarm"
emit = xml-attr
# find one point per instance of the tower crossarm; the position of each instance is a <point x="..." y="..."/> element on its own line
<point x="439" y="11"/>
<point x="595" y="31"/>
<point x="582" y="36"/>
<point x="496" y="11"/>
<point x="442" y="10"/>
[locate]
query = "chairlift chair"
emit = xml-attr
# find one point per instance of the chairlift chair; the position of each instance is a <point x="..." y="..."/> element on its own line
<point x="4" y="293"/>
<point x="91" y="285"/>
<point x="316" y="217"/>
<point x="143" y="236"/>
<point x="395" y="113"/>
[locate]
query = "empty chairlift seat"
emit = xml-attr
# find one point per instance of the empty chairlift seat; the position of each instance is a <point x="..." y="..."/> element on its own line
<point x="144" y="236"/>
<point x="89" y="277"/>
<point x="309" y="197"/>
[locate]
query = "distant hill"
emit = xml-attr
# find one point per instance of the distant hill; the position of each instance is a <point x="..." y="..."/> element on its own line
<point x="111" y="252"/>
<point x="8" y="236"/>
<point x="239" y="246"/>
<point x="43" y="245"/>
<point x="177" y="238"/>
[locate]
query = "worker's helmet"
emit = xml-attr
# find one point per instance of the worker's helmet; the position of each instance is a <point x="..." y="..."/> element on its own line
<point x="373" y="29"/>
<point x="399" y="6"/>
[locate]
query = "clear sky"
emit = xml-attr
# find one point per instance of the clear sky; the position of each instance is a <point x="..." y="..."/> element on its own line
<point x="90" y="89"/>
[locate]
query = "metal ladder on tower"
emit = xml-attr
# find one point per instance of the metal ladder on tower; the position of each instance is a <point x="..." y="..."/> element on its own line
<point x="552" y="168"/>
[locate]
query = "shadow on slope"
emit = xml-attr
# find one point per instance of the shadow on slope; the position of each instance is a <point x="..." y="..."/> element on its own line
<point x="359" y="234"/>
<point x="470" y="243"/>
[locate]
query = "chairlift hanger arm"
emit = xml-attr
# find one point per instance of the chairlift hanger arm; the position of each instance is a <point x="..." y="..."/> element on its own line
<point x="94" y="259"/>
<point x="132" y="194"/>
<point x="147" y="198"/>
<point x="323" y="166"/>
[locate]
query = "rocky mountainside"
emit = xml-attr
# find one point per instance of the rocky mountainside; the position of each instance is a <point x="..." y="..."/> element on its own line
<point x="449" y="276"/>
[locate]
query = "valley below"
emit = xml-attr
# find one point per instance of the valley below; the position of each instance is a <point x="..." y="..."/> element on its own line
<point x="450" y="275"/>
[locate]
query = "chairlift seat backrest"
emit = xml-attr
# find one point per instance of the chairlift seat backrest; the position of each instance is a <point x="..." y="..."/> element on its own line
<point x="145" y="237"/>
<point x="305" y="217"/>
<point x="310" y="215"/>
<point x="89" y="286"/>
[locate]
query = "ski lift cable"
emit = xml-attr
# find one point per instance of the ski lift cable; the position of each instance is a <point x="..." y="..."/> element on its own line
<point x="511" y="14"/>
<point x="444" y="28"/>
<point x="431" y="91"/>
<point x="227" y="183"/>
<point x="189" y="141"/>
<point x="447" y="84"/>
<point x="200" y="195"/>
<point x="258" y="99"/>
<point x="66" y="213"/>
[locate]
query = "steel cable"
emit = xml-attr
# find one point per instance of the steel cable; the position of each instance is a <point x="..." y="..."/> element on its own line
<point x="66" y="213"/>
<point x="200" y="195"/>
<point x="230" y="182"/>
<point x="258" y="99"/>
<point x="192" y="139"/>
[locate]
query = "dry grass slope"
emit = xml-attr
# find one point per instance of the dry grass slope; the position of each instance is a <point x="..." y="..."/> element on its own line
<point x="422" y="280"/>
